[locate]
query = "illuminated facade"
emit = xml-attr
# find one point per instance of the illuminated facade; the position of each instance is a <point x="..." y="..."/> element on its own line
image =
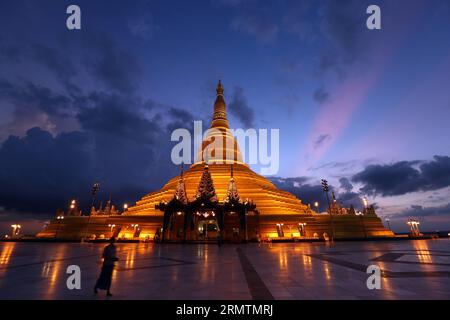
<point x="219" y="196"/>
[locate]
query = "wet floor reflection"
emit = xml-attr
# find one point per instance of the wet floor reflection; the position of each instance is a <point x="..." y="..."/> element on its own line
<point x="304" y="270"/>
<point x="5" y="257"/>
<point x="55" y="269"/>
<point x="423" y="252"/>
<point x="6" y="252"/>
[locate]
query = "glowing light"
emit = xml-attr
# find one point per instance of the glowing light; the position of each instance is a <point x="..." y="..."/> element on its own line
<point x="365" y="202"/>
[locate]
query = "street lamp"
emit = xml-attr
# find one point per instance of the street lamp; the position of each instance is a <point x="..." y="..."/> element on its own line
<point x="125" y="207"/>
<point x="59" y="218"/>
<point x="316" y="205"/>
<point x="325" y="188"/>
<point x="388" y="221"/>
<point x="302" y="228"/>
<point x="280" y="229"/>
<point x="16" y="229"/>
<point x="366" y="203"/>
<point x="414" y="227"/>
<point x="111" y="226"/>
<point x="135" y="227"/>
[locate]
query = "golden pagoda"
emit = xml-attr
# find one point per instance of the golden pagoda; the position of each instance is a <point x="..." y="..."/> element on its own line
<point x="219" y="196"/>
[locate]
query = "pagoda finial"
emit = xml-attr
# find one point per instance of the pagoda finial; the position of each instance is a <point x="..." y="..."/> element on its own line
<point x="180" y="191"/>
<point x="232" y="193"/>
<point x="219" y="89"/>
<point x="231" y="171"/>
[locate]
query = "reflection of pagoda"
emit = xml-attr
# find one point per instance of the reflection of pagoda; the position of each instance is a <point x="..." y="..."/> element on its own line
<point x="212" y="198"/>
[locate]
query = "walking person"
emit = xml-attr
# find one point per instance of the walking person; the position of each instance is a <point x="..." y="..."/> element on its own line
<point x="219" y="239"/>
<point x="109" y="259"/>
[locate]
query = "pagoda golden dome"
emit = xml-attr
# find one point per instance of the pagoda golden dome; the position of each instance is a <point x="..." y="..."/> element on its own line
<point x="268" y="198"/>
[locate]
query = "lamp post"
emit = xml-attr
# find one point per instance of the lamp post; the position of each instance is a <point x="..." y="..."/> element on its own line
<point x="414" y="227"/>
<point x="94" y="191"/>
<point x="135" y="227"/>
<point x="111" y="228"/>
<point x="366" y="203"/>
<point x="15" y="229"/>
<point x="325" y="189"/>
<point x="280" y="229"/>
<point x="125" y="207"/>
<point x="59" y="218"/>
<point x="302" y="228"/>
<point x="316" y="205"/>
<point x="388" y="221"/>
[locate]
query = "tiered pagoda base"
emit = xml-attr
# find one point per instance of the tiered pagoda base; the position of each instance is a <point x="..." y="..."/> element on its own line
<point x="318" y="226"/>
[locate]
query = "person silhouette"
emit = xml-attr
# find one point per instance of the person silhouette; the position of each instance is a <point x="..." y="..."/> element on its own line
<point x="109" y="259"/>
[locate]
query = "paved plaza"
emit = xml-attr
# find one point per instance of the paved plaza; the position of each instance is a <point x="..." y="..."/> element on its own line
<point x="410" y="270"/>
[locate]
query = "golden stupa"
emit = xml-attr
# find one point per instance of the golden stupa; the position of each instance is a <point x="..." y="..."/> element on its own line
<point x="251" y="185"/>
<point x="273" y="213"/>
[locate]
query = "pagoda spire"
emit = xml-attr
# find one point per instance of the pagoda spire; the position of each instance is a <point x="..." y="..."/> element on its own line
<point x="219" y="89"/>
<point x="180" y="191"/>
<point x="206" y="188"/>
<point x="232" y="192"/>
<point x="220" y="119"/>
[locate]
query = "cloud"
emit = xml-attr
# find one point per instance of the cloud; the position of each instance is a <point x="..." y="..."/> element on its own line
<point x="28" y="94"/>
<point x="345" y="184"/>
<point x="310" y="191"/>
<point x="321" y="140"/>
<point x="240" y="109"/>
<point x="321" y="96"/>
<point x="118" y="68"/>
<point x="349" y="198"/>
<point x="334" y="28"/>
<point x="421" y="211"/>
<point x="36" y="105"/>
<point x="38" y="172"/>
<point x="143" y="26"/>
<point x="118" y="146"/>
<point x="405" y="177"/>
<point x="109" y="134"/>
<point x="303" y="189"/>
<point x="254" y="18"/>
<point x="60" y="64"/>
<point x="9" y="53"/>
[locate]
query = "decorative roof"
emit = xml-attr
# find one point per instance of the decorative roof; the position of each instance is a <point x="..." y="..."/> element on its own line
<point x="232" y="192"/>
<point x="206" y="188"/>
<point x="180" y="191"/>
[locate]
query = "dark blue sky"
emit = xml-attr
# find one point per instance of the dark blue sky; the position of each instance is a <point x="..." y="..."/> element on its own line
<point x="369" y="110"/>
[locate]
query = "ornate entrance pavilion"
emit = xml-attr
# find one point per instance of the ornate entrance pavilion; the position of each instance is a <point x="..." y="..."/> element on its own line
<point x="219" y="196"/>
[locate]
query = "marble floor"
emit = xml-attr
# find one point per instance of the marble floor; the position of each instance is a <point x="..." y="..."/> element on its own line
<point x="410" y="270"/>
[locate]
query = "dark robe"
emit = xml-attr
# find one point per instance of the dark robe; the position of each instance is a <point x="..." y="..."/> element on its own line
<point x="109" y="258"/>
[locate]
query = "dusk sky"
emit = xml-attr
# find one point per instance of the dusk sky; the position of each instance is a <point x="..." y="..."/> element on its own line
<point x="368" y="110"/>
